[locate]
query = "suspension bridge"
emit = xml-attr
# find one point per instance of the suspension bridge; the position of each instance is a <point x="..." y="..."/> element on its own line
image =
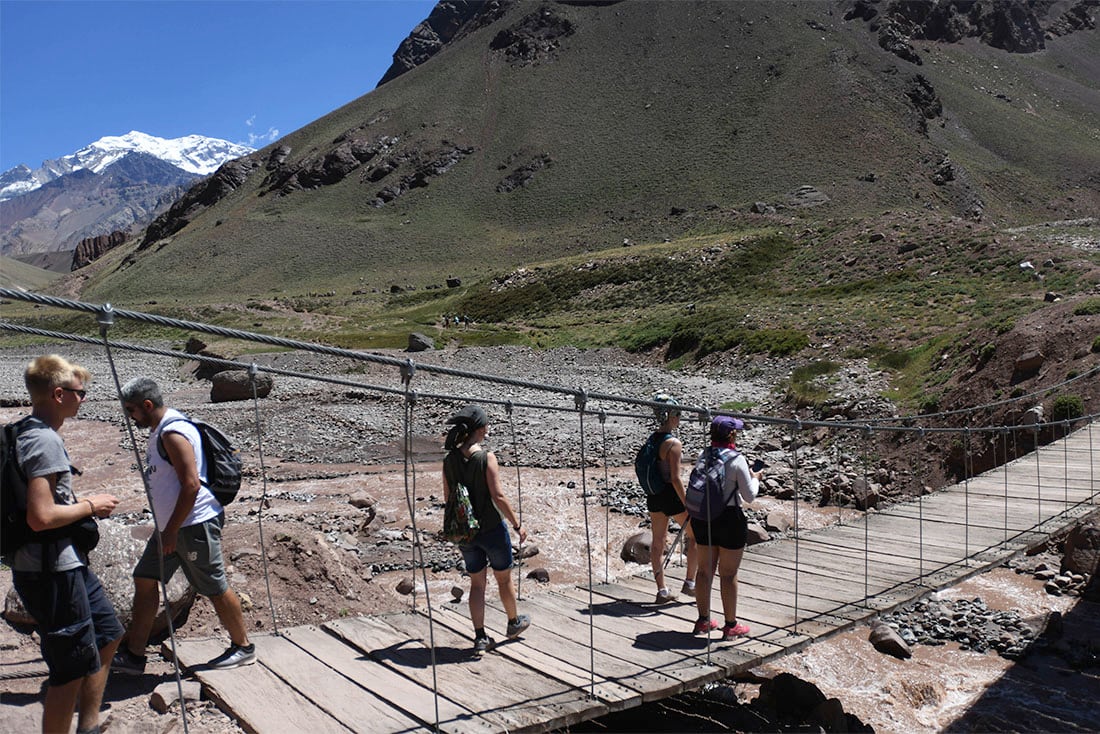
<point x="605" y="646"/>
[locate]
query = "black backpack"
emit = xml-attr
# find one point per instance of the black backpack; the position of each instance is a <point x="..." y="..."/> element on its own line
<point x="645" y="464"/>
<point x="14" y="531"/>
<point x="223" y="461"/>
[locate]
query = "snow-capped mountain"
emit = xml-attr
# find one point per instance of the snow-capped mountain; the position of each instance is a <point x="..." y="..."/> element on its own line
<point x="194" y="154"/>
<point x="117" y="184"/>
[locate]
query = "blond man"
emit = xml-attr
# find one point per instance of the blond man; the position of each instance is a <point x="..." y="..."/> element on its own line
<point x="76" y="621"/>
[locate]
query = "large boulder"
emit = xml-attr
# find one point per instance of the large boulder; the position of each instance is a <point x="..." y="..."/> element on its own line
<point x="113" y="561"/>
<point x="231" y="385"/>
<point x="638" y="548"/>
<point x="1082" y="553"/>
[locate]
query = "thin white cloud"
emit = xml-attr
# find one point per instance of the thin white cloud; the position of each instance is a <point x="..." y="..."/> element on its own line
<point x="250" y="121"/>
<point x="259" y="141"/>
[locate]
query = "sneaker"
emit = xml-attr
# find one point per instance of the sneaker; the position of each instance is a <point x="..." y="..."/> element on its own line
<point x="234" y="657"/>
<point x="688" y="589"/>
<point x="483" y="644"/>
<point x="730" y="632"/>
<point x="705" y="625"/>
<point x="664" y="596"/>
<point x="127" y="662"/>
<point x="522" y="622"/>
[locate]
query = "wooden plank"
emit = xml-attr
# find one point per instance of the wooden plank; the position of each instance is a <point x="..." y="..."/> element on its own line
<point x="256" y="697"/>
<point x="558" y="658"/>
<point x="352" y="705"/>
<point x="400" y="692"/>
<point x="494" y="687"/>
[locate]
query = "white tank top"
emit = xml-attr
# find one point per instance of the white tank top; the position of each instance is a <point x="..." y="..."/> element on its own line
<point x="164" y="484"/>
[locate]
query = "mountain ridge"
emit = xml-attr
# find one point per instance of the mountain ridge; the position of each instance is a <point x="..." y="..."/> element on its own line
<point x="114" y="184"/>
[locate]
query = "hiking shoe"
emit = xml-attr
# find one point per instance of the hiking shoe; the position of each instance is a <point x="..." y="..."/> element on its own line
<point x="688" y="589"/>
<point x="705" y="625"/>
<point x="483" y="644"/>
<point x="128" y="663"/>
<point x="514" y="628"/>
<point x="730" y="632"/>
<point x="664" y="596"/>
<point x="234" y="657"/>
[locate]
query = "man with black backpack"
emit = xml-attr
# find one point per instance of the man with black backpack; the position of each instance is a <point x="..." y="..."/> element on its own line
<point x="77" y="625"/>
<point x="189" y="519"/>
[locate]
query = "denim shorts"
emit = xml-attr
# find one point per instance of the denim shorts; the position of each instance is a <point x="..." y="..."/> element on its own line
<point x="491" y="547"/>
<point x="198" y="552"/>
<point x="75" y="619"/>
<point x="729" y="530"/>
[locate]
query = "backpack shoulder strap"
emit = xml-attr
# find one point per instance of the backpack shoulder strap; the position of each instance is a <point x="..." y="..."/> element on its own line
<point x="160" y="435"/>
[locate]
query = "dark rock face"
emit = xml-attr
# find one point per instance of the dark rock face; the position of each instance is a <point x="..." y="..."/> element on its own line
<point x="199" y="197"/>
<point x="448" y="21"/>
<point x="1006" y="24"/>
<point x="92" y="248"/>
<point x="329" y="168"/>
<point x="523" y="174"/>
<point x="426" y="166"/>
<point x="535" y="38"/>
<point x="230" y="385"/>
<point x="1078" y="18"/>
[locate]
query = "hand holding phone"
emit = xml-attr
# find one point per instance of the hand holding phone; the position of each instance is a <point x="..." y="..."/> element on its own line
<point x="759" y="465"/>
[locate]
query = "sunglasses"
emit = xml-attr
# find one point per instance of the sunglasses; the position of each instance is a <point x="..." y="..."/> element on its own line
<point x="81" y="393"/>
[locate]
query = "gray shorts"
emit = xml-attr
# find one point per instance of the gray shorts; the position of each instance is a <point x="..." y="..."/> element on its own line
<point x="198" y="552"/>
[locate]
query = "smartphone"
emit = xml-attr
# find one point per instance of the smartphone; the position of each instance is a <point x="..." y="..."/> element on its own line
<point x="759" y="465"/>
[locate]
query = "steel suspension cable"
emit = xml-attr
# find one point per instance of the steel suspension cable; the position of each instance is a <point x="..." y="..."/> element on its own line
<point x="581" y="399"/>
<point x="519" y="497"/>
<point x="252" y="372"/>
<point x="797" y="533"/>
<point x="607" y="499"/>
<point x="409" y="468"/>
<point x="105" y="319"/>
<point x="967" y="462"/>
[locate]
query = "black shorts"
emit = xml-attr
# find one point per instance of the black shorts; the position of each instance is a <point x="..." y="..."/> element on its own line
<point x="729" y="530"/>
<point x="666" y="501"/>
<point x="75" y="619"/>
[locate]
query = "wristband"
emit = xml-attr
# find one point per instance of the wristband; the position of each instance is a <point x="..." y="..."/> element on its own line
<point x="91" y="505"/>
<point x="516" y="527"/>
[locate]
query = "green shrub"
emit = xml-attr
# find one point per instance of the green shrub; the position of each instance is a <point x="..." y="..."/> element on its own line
<point x="1088" y="307"/>
<point x="986" y="352"/>
<point x="1067" y="407"/>
<point x="1096" y="344"/>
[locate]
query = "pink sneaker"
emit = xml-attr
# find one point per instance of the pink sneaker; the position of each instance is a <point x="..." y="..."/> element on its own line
<point x="737" y="630"/>
<point x="705" y="625"/>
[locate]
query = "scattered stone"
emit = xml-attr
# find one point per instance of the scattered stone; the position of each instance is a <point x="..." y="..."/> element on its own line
<point x="886" y="639"/>
<point x="231" y="385"/>
<point x="528" y="551"/>
<point x="637" y="548"/>
<point x="539" y="574"/>
<point x="405" y="586"/>
<point x="457" y="592"/>
<point x="166" y="695"/>
<point x="420" y="343"/>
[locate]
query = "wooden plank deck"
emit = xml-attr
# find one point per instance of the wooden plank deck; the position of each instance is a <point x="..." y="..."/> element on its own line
<point x="595" y="650"/>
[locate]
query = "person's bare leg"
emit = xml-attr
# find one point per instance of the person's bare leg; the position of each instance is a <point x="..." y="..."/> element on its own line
<point x="91" y="692"/>
<point x="659" y="530"/>
<point x="57" y="709"/>
<point x="228" y="607"/>
<point x="507" y="593"/>
<point x="704" y="578"/>
<point x="146" y="602"/>
<point x="729" y="561"/>
<point x="691" y="550"/>
<point x="477" y="598"/>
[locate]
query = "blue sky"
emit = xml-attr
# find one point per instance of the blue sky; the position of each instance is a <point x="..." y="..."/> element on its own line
<point x="247" y="71"/>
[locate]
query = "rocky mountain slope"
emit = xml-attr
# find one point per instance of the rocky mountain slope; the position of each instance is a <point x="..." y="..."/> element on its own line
<point x="510" y="131"/>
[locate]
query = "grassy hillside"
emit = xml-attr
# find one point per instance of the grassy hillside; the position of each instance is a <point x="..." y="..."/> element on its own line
<point x="20" y="275"/>
<point x="652" y="120"/>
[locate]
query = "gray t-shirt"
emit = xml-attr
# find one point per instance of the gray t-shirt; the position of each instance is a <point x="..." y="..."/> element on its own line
<point x="41" y="452"/>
